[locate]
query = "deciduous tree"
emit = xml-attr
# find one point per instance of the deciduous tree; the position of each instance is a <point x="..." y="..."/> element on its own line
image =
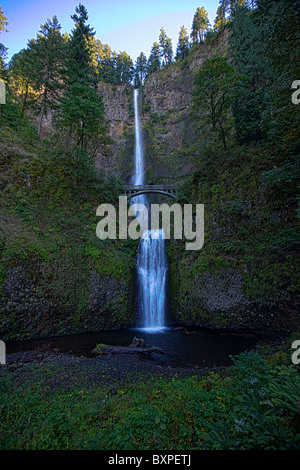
<point x="216" y="86"/>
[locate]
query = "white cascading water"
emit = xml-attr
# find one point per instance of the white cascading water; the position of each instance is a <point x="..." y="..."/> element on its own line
<point x="139" y="153"/>
<point x="152" y="262"/>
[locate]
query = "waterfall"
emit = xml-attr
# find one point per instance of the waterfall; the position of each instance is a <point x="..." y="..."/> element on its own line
<point x="152" y="262"/>
<point x="152" y="265"/>
<point x="139" y="152"/>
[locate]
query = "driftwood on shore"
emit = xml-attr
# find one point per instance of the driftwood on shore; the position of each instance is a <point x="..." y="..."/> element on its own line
<point x="138" y="346"/>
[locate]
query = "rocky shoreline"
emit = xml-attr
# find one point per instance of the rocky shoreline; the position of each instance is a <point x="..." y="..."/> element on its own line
<point x="68" y="370"/>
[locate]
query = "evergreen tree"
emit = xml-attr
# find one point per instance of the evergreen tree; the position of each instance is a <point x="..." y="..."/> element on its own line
<point x="3" y="21"/>
<point x="250" y="59"/>
<point x="200" y="25"/>
<point x="140" y="70"/>
<point x="106" y="62"/>
<point x="153" y="63"/>
<point x="169" y="51"/>
<point x="81" y="106"/>
<point x="220" y="20"/>
<point x="227" y="9"/>
<point x="162" y="44"/>
<point x="3" y="49"/>
<point x="278" y="21"/>
<point x="111" y="66"/>
<point x="3" y="56"/>
<point x="235" y="5"/>
<point x="83" y="55"/>
<point x="183" y="44"/>
<point x="124" y="68"/>
<point x="21" y="79"/>
<point x="46" y="58"/>
<point x="166" y="50"/>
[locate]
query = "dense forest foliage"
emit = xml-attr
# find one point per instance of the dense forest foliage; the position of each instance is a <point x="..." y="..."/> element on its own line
<point x="58" y="73"/>
<point x="55" y="276"/>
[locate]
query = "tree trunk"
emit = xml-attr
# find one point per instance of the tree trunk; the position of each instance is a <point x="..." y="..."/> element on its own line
<point x="25" y="99"/>
<point x="67" y="138"/>
<point x="42" y="110"/>
<point x="223" y="135"/>
<point x="41" y="119"/>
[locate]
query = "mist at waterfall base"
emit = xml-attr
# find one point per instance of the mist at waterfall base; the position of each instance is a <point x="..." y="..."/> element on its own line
<point x="152" y="262"/>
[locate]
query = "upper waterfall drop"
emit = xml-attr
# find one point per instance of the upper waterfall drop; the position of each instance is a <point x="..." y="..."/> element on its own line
<point x="139" y="151"/>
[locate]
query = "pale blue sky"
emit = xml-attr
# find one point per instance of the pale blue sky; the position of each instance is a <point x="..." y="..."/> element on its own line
<point x="131" y="25"/>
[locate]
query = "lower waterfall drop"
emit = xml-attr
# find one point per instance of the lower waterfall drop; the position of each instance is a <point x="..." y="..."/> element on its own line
<point x="152" y="267"/>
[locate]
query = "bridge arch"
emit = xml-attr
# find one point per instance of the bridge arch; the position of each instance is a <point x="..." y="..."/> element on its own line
<point x="166" y="190"/>
<point x="139" y="193"/>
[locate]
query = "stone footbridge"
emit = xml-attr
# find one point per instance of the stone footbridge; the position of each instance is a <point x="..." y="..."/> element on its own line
<point x="165" y="189"/>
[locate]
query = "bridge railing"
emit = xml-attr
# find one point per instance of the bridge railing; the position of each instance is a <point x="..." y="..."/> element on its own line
<point x="149" y="187"/>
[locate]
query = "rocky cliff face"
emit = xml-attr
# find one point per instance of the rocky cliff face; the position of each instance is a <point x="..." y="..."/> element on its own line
<point x="165" y="115"/>
<point x="223" y="293"/>
<point x="169" y="128"/>
<point x="119" y="115"/>
<point x="42" y="298"/>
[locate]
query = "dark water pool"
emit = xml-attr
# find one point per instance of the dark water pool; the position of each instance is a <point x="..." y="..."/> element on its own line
<point x="183" y="346"/>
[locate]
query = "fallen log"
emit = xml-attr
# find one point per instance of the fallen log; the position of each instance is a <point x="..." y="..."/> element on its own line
<point x="130" y="350"/>
<point x="138" y="346"/>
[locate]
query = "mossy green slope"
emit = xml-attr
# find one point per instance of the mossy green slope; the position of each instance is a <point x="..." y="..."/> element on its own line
<point x="56" y="276"/>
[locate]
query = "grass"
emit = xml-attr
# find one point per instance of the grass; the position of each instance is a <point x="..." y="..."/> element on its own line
<point x="254" y="404"/>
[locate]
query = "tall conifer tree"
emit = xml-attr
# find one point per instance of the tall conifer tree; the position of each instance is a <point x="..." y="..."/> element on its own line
<point x="154" y="63"/>
<point x="200" y="25"/>
<point x="166" y="50"/>
<point x="46" y="57"/>
<point x="81" y="108"/>
<point x="183" y="44"/>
